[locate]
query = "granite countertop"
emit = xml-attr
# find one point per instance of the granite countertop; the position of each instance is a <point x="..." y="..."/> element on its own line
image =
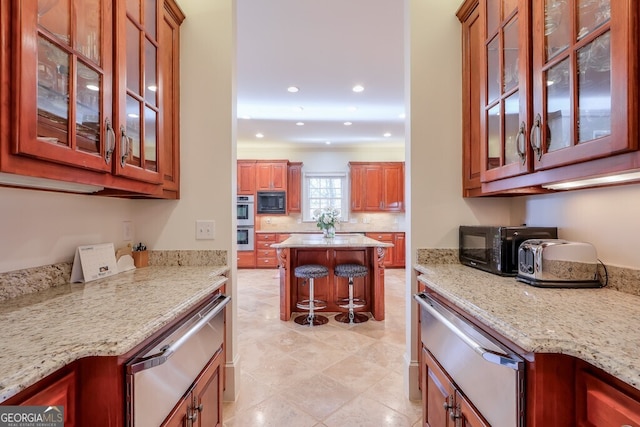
<point x="44" y="331"/>
<point x="315" y="231"/>
<point x="599" y="326"/>
<point x="340" y="240"/>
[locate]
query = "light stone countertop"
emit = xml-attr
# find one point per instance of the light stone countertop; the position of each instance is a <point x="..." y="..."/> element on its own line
<point x="599" y="326"/>
<point x="340" y="240"/>
<point x="44" y="331"/>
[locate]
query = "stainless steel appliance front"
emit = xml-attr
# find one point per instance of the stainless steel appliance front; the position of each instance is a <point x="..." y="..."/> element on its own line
<point x="159" y="376"/>
<point x="245" y="210"/>
<point x="486" y="372"/>
<point x="245" y="238"/>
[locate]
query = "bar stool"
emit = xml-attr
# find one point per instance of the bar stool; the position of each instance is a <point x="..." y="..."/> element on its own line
<point x="311" y="271"/>
<point x="350" y="271"/>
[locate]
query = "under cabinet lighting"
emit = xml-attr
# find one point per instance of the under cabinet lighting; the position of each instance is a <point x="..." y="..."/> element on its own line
<point x="358" y="88"/>
<point x="300" y="124"/>
<point x="348" y="123"/>
<point x="292" y="89"/>
<point x="259" y="135"/>
<point x="46" y="184"/>
<point x="594" y="182"/>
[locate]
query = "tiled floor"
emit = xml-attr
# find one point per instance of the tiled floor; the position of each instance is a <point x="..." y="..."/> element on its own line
<point x="334" y="375"/>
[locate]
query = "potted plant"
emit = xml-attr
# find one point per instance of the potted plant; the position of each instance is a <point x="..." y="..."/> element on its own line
<point x="326" y="220"/>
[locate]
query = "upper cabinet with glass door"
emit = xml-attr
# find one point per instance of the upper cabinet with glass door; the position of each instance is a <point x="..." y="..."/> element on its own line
<point x="63" y="69"/>
<point x="583" y="59"/>
<point x="138" y="125"/>
<point x="504" y="97"/>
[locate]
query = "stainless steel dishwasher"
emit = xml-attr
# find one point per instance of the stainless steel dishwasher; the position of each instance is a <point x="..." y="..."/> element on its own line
<point x="489" y="374"/>
<point x="160" y="375"/>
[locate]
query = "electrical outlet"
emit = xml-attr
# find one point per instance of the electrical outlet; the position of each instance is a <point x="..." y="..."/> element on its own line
<point x="127" y="231"/>
<point x="205" y="229"/>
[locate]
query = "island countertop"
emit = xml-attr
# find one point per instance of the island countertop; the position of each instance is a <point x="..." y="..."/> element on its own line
<point x="599" y="326"/>
<point x="44" y="331"/>
<point x="340" y="240"/>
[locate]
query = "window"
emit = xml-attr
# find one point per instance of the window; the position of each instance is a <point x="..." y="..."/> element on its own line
<point x="325" y="190"/>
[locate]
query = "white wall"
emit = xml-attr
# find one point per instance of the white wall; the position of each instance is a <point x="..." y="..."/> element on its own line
<point x="40" y="228"/>
<point x="434" y="152"/>
<point x="607" y="218"/>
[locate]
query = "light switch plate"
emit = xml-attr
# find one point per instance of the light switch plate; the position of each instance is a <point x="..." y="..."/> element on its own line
<point x="205" y="229"/>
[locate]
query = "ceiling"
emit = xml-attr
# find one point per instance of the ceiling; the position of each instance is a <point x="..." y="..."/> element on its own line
<point x="325" y="48"/>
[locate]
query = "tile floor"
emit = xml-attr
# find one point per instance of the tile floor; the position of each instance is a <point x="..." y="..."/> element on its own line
<point x="334" y="375"/>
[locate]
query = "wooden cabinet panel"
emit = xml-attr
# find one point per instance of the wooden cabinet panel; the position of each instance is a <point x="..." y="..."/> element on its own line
<point x="399" y="250"/>
<point x="437" y="393"/>
<point x="601" y="404"/>
<point x="170" y="95"/>
<point x="394" y="256"/>
<point x="377" y="187"/>
<point x="472" y="47"/>
<point x="271" y="175"/>
<point x="178" y="416"/>
<point x="469" y="415"/>
<point x="266" y="256"/>
<point x="246" y="259"/>
<point x="207" y="393"/>
<point x="246" y="177"/>
<point x="72" y="116"/>
<point x="547" y="112"/>
<point x="61" y="393"/>
<point x="294" y="188"/>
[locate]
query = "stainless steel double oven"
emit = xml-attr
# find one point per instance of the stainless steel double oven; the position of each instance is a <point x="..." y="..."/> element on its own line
<point x="245" y="218"/>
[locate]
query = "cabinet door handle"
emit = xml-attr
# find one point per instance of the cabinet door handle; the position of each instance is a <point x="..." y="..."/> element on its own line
<point x="448" y="403"/>
<point x="124" y="146"/>
<point x="535" y="137"/>
<point x="521" y="141"/>
<point x="110" y="142"/>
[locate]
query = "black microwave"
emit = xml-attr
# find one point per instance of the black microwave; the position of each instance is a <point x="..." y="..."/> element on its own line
<point x="495" y="249"/>
<point x="271" y="202"/>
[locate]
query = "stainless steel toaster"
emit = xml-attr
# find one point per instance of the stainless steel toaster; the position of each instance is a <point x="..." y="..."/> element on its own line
<point x="558" y="263"/>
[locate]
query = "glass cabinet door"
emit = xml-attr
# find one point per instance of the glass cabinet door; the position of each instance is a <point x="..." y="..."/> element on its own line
<point x="68" y="93"/>
<point x="504" y="99"/>
<point x="577" y="82"/>
<point x="139" y="136"/>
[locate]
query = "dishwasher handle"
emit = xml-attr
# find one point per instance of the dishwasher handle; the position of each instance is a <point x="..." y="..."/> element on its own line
<point x="497" y="358"/>
<point x="164" y="355"/>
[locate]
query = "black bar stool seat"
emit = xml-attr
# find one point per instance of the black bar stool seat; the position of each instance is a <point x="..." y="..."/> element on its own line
<point x="351" y="271"/>
<point x="310" y="272"/>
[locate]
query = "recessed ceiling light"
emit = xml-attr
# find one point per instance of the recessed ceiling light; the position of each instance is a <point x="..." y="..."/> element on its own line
<point x="387" y="135"/>
<point x="358" y="88"/>
<point x="348" y="123"/>
<point x="328" y="142"/>
<point x="300" y="124"/>
<point x="292" y="89"/>
<point x="259" y="135"/>
<point x="93" y="88"/>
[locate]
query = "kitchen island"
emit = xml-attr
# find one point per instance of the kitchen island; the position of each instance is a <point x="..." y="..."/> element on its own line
<point x="300" y="249"/>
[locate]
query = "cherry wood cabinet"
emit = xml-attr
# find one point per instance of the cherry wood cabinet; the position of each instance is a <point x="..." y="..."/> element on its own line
<point x="246" y="177"/>
<point x="62" y="392"/>
<point x="271" y="175"/>
<point x="472" y="44"/>
<point x="555" y="83"/>
<point x="266" y="255"/>
<point x="246" y="259"/>
<point x="601" y="402"/>
<point x="394" y="256"/>
<point x="442" y="403"/>
<point x="83" y="86"/>
<point x="201" y="406"/>
<point x="170" y="98"/>
<point x="377" y="187"/>
<point x="294" y="187"/>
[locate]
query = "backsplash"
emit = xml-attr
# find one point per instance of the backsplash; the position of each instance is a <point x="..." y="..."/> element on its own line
<point x="358" y="222"/>
<point x="620" y="279"/>
<point x="30" y="280"/>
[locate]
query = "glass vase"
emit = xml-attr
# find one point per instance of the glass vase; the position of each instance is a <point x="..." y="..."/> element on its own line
<point x="329" y="232"/>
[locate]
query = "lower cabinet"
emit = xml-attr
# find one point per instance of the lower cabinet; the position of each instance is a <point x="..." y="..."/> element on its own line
<point x="246" y="259"/>
<point x="266" y="256"/>
<point x="600" y="403"/>
<point x="201" y="406"/>
<point x="443" y="404"/>
<point x="62" y="392"/>
<point x="395" y="256"/>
